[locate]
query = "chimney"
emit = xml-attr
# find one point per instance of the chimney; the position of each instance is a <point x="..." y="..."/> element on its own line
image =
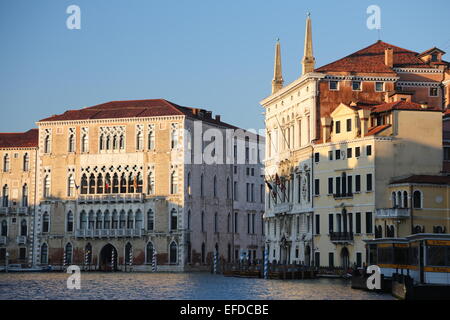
<point x="217" y="118"/>
<point x="364" y="115"/>
<point x="326" y="127"/>
<point x="389" y="57"/>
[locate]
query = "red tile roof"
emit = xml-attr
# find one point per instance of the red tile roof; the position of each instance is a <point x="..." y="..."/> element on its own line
<point x="401" y="105"/>
<point x="371" y="60"/>
<point x="428" y="179"/>
<point x="27" y="139"/>
<point x="374" y="130"/>
<point x="135" y="109"/>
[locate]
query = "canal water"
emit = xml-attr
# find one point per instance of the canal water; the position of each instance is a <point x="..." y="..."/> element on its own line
<point x="174" y="286"/>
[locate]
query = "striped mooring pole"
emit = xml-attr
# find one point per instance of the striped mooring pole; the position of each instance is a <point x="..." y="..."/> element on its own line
<point x="86" y="259"/>
<point x="112" y="260"/>
<point x="266" y="263"/>
<point x="154" y="262"/>
<point x="215" y="261"/>
<point x="130" y="258"/>
<point x="64" y="260"/>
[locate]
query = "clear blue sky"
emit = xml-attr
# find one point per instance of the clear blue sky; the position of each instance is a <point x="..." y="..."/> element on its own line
<point x="211" y="54"/>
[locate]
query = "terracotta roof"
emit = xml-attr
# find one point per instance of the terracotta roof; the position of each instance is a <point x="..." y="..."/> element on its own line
<point x="446" y="113"/>
<point x="374" y="130"/>
<point x="428" y="179"/>
<point x="371" y="60"/>
<point x="135" y="109"/>
<point x="430" y="51"/>
<point x="27" y="139"/>
<point x="401" y="105"/>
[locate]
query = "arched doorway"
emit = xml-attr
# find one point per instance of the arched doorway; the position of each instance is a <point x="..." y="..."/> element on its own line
<point x="108" y="258"/>
<point x="345" y="259"/>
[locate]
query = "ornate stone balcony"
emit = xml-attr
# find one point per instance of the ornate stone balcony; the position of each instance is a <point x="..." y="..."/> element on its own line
<point x="282" y="208"/>
<point x="393" y="213"/>
<point x="14" y="210"/>
<point x="341" y="236"/>
<point x="108" y="233"/>
<point x="21" y="239"/>
<point x="111" y="198"/>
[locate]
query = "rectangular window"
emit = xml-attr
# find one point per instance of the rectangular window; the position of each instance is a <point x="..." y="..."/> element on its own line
<point x="369" y="150"/>
<point x="330" y="223"/>
<point x="434" y="92"/>
<point x="356" y="85"/>
<point x="316" y="157"/>
<point x="369" y="182"/>
<point x="338" y="127"/>
<point x="331" y="259"/>
<point x="349" y="125"/>
<point x="350" y="222"/>
<point x="369" y="223"/>
<point x="236" y="191"/>
<point x="357" y="152"/>
<point x="317" y="259"/>
<point x="333" y="85"/>
<point x="317" y="224"/>
<point x="338" y="154"/>
<point x="316" y="187"/>
<point x="379" y="86"/>
<point x="330" y="185"/>
<point x="248" y="192"/>
<point x="358" y="183"/>
<point x="330" y="155"/>
<point x="349" y="184"/>
<point x="358" y="223"/>
<point x="338" y="185"/>
<point x="349" y="153"/>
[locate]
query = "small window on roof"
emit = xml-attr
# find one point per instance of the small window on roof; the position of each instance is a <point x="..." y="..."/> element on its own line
<point x="433" y="92"/>
<point x="434" y="57"/>
<point x="379" y="86"/>
<point x="334" y="85"/>
<point x="356" y="85"/>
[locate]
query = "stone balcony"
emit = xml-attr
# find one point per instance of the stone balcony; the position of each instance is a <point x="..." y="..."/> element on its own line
<point x="21" y="239"/>
<point x="14" y="210"/>
<point x="3" y="240"/>
<point x="110" y="198"/>
<point x="282" y="208"/>
<point x="341" y="236"/>
<point x="108" y="233"/>
<point x="393" y="213"/>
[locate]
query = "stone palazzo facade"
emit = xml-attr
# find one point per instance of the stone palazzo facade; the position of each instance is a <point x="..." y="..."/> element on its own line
<point x="116" y="185"/>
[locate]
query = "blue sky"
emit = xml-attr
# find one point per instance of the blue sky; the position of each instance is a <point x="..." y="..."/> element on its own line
<point x="201" y="53"/>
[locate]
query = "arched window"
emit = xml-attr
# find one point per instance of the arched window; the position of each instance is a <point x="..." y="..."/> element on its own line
<point x="69" y="227"/>
<point x="203" y="222"/>
<point x="46" y="222"/>
<point x="173" y="253"/>
<point x="399" y="199"/>
<point x="44" y="253"/>
<point x="215" y="186"/>
<point x="123" y="220"/>
<point x="139" y="222"/>
<point x="394" y="200"/>
<point x="131" y="183"/>
<point x="91" y="220"/>
<point x="25" y="195"/>
<point x="189" y="252"/>
<point x="108" y="143"/>
<point x="174" y="183"/>
<point x="130" y="223"/>
<point x="151" y="138"/>
<point x="92" y="184"/>
<point x="84" y="184"/>
<point x="128" y="254"/>
<point x="149" y="253"/>
<point x="108" y="183"/>
<point x="4" y="230"/>
<point x="151" y="183"/>
<point x="101" y="142"/>
<point x="228" y="188"/>
<point x="115" y="220"/>
<point x="139" y="182"/>
<point x="5" y="196"/>
<point x="70" y="186"/>
<point x="417" y="199"/>
<point x="100" y="184"/>
<point x="216" y="221"/>
<point x="122" y="142"/>
<point x="405" y="199"/>
<point x="83" y="220"/>
<point x="6" y="163"/>
<point x="84" y="143"/>
<point x="99" y="221"/>
<point x="115" y="184"/>
<point x="23" y="227"/>
<point x="174" y="137"/>
<point x="123" y="183"/>
<point x="229" y="223"/>
<point x="150" y="220"/>
<point x="203" y="253"/>
<point x="189" y="183"/>
<point x="139" y="141"/>
<point x="115" y="142"/>
<point x="71" y="143"/>
<point x="173" y="220"/>
<point x="88" y="254"/>
<point x="47" y="144"/>
<point x="47" y="186"/>
<point x="26" y="162"/>
<point x="107" y="220"/>
<point x="68" y="251"/>
<point x="201" y="186"/>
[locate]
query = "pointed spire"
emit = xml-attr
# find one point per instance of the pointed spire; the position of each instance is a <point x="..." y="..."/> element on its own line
<point x="277" y="81"/>
<point x="308" y="61"/>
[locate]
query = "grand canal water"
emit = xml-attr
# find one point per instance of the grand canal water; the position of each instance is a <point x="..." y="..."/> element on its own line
<point x="173" y="286"/>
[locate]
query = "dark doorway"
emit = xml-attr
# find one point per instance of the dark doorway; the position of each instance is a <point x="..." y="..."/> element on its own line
<point x="345" y="259"/>
<point x="108" y="258"/>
